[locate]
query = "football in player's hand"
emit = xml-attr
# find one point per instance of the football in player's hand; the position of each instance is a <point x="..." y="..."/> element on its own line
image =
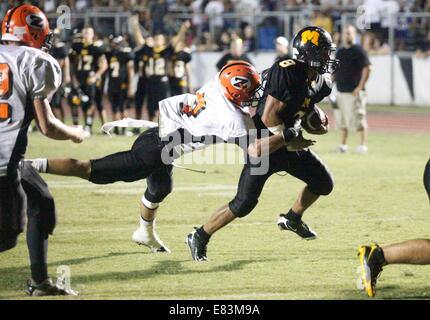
<point x="315" y="121"/>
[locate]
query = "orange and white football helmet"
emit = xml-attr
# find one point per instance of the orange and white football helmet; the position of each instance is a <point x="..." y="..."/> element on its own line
<point x="27" y="24"/>
<point x="240" y="82"/>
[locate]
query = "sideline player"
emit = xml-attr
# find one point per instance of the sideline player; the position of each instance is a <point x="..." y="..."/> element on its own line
<point x="180" y="70"/>
<point x="90" y="64"/>
<point x="60" y="52"/>
<point x="292" y="87"/>
<point x="373" y="257"/>
<point x="120" y="77"/>
<point x="28" y="78"/>
<point x="217" y="110"/>
<point x="154" y="59"/>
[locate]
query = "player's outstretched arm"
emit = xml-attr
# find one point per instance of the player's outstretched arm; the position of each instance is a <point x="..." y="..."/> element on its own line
<point x="53" y="128"/>
<point x="137" y="33"/>
<point x="130" y="76"/>
<point x="181" y="34"/>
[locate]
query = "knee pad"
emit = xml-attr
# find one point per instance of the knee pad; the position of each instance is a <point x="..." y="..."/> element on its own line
<point x="241" y="207"/>
<point x="149" y="204"/>
<point x="156" y="196"/>
<point x="322" y="187"/>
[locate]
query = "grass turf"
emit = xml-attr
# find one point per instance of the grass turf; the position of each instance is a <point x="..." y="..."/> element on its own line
<point x="377" y="197"/>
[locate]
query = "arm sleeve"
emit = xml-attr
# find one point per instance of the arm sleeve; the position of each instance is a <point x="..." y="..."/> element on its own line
<point x="279" y="81"/>
<point x="364" y="58"/>
<point x="322" y="89"/>
<point x="44" y="77"/>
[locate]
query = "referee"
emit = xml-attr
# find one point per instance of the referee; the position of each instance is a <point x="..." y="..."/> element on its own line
<point x="351" y="78"/>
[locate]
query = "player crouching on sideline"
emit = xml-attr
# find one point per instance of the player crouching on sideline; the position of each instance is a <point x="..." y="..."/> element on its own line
<point x="28" y="78"/>
<point x="373" y="257"/>
<point x="217" y="112"/>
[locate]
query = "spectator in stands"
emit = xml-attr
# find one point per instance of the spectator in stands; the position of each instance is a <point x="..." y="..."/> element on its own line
<point x="323" y="20"/>
<point x="424" y="48"/>
<point x="351" y="78"/>
<point x="145" y="22"/>
<point x="373" y="45"/>
<point x="249" y="44"/>
<point x="247" y="8"/>
<point x="158" y="11"/>
<point x="214" y="9"/>
<point x="205" y="42"/>
<point x="282" y="50"/>
<point x="224" y="41"/>
<point x="235" y="53"/>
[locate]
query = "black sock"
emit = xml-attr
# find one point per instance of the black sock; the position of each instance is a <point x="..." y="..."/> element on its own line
<point x="37" y="244"/>
<point x="380" y="258"/>
<point x="291" y="215"/>
<point x="203" y="234"/>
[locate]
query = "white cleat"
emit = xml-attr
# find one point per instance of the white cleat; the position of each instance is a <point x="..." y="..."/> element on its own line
<point x="362" y="149"/>
<point x="342" y="148"/>
<point x="146" y="235"/>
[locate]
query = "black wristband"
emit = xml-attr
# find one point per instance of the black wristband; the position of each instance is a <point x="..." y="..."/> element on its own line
<point x="290" y="134"/>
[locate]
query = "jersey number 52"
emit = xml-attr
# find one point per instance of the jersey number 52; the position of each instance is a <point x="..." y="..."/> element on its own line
<point x="5" y="91"/>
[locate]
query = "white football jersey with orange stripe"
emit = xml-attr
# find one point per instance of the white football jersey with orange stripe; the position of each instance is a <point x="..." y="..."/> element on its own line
<point x="207" y="113"/>
<point x="25" y="74"/>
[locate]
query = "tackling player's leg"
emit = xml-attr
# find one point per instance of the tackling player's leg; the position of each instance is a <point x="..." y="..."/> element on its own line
<point x="373" y="258"/>
<point x="142" y="161"/>
<point x="159" y="186"/>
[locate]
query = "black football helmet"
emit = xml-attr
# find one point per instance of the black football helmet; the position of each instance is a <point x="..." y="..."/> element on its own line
<point x="315" y="47"/>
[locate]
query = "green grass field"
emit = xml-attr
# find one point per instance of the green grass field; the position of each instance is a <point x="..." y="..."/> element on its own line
<point x="377" y="197"/>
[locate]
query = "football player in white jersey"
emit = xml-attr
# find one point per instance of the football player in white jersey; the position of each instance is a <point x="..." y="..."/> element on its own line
<point x="28" y="79"/>
<point x="187" y="122"/>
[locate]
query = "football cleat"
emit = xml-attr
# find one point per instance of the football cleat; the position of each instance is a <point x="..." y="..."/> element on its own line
<point x="47" y="288"/>
<point x="146" y="235"/>
<point x="342" y="148"/>
<point x="300" y="228"/>
<point x="88" y="131"/>
<point x="362" y="149"/>
<point x="371" y="262"/>
<point x="197" y="246"/>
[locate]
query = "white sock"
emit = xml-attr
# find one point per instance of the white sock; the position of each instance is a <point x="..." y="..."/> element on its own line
<point x="40" y="164"/>
<point x="145" y="223"/>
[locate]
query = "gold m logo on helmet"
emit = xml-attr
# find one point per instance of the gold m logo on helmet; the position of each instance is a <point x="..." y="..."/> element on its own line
<point x="310" y="35"/>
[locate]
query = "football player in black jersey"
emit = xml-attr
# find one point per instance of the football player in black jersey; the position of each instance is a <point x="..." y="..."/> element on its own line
<point x="180" y="70"/>
<point x="155" y="60"/>
<point x="100" y="85"/>
<point x="292" y="88"/>
<point x="61" y="53"/>
<point x="120" y="76"/>
<point x="89" y="63"/>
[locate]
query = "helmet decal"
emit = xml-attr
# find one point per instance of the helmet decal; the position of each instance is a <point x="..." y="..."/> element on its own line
<point x="35" y="21"/>
<point x="310" y="35"/>
<point x="240" y="82"/>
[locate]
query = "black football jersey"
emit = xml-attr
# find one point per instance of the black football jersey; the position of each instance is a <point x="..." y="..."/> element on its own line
<point x="178" y="63"/>
<point x="86" y="59"/>
<point x="59" y="51"/>
<point x="117" y="62"/>
<point x="153" y="63"/>
<point x="287" y="81"/>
